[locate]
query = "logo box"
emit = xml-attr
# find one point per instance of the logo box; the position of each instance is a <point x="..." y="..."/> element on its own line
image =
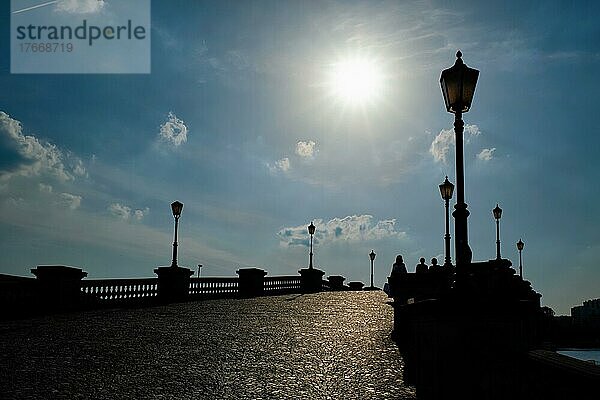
<point x="80" y="37"/>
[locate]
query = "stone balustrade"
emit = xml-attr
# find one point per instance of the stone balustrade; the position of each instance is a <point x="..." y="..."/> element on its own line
<point x="281" y="284"/>
<point x="213" y="287"/>
<point x="63" y="288"/>
<point x="98" y="292"/>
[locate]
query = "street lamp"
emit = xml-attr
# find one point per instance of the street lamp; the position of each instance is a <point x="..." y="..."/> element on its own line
<point x="199" y="269"/>
<point x="497" y="214"/>
<point x="311" y="231"/>
<point x="520" y="246"/>
<point x="446" y="190"/>
<point x="458" y="87"/>
<point x="176" y="207"/>
<point x="372" y="257"/>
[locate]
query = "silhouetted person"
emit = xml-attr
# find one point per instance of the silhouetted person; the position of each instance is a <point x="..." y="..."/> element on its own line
<point x="421" y="266"/>
<point x="434" y="266"/>
<point x="399" y="267"/>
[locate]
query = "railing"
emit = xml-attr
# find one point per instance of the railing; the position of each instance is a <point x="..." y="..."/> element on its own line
<point x="16" y="288"/>
<point x="213" y="287"/>
<point x="99" y="292"/>
<point x="281" y="284"/>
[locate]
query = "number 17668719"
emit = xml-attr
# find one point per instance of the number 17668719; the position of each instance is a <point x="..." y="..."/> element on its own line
<point x="46" y="47"/>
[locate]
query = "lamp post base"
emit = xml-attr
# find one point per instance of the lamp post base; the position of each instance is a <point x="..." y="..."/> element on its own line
<point x="173" y="283"/>
<point x="311" y="280"/>
<point x="463" y="252"/>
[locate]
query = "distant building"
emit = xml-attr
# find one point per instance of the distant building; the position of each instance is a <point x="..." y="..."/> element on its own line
<point x="589" y="311"/>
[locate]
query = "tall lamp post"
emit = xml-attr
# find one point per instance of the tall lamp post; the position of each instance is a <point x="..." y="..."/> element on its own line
<point x="497" y="214"/>
<point x="458" y="87"/>
<point x="446" y="190"/>
<point x="176" y="207"/>
<point x="520" y="246"/>
<point x="199" y="269"/>
<point x="372" y="257"/>
<point x="311" y="231"/>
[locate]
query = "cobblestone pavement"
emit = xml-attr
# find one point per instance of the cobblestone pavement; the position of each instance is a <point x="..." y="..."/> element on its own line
<point x="332" y="345"/>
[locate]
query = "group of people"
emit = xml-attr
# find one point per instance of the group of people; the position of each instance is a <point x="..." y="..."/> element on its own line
<point x="434" y="267"/>
<point x="400" y="268"/>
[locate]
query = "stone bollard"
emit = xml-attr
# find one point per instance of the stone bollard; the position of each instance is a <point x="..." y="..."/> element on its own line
<point x="356" y="285"/>
<point x="252" y="282"/>
<point x="173" y="283"/>
<point x="60" y="286"/>
<point x="311" y="280"/>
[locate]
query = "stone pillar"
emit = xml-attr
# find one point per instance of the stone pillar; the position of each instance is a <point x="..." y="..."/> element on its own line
<point x="252" y="282"/>
<point x="173" y="283"/>
<point x="311" y="280"/>
<point x="336" y="282"/>
<point x="59" y="285"/>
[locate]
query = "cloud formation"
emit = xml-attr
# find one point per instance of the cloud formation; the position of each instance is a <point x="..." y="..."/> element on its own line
<point x="441" y="145"/>
<point x="306" y="149"/>
<point x="79" y="169"/>
<point x="174" y="130"/>
<point x="472" y="131"/>
<point x="282" y="165"/>
<point x="80" y="6"/>
<point x="45" y="188"/>
<point x="36" y="157"/>
<point x="126" y="213"/>
<point x="352" y="228"/>
<point x="486" y="154"/>
<point x="139" y="214"/>
<point x="445" y="140"/>
<point x="69" y="200"/>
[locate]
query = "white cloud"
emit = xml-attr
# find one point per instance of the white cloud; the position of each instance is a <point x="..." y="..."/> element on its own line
<point x="352" y="228"/>
<point x="80" y="6"/>
<point x="445" y="140"/>
<point x="45" y="188"/>
<point x="472" y="130"/>
<point x="173" y="130"/>
<point x="79" y="169"/>
<point x="486" y="154"/>
<point x="139" y="214"/>
<point x="70" y="201"/>
<point x="37" y="157"/>
<point x="282" y="165"/>
<point x="120" y="211"/>
<point x="125" y="213"/>
<point x="306" y="149"/>
<point x="65" y="200"/>
<point x="441" y="145"/>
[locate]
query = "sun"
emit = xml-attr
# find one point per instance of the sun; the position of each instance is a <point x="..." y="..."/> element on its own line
<point x="356" y="81"/>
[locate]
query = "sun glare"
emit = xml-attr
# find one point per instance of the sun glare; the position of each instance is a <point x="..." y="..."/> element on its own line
<point x="356" y="81"/>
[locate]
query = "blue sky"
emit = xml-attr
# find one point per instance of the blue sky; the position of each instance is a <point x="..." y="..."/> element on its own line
<point x="238" y="122"/>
